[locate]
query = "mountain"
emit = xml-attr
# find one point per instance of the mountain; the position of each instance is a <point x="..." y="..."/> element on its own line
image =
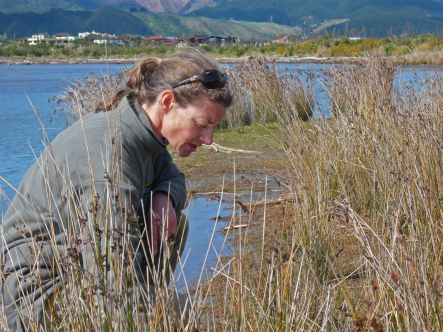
<point x="173" y="25"/>
<point x="138" y="22"/>
<point x="40" y="6"/>
<point x="108" y="20"/>
<point x="369" y="17"/>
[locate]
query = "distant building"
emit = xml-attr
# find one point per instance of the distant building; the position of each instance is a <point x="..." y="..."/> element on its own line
<point x="210" y="40"/>
<point x="161" y="40"/>
<point x="59" y="39"/>
<point x="154" y="40"/>
<point x="37" y="39"/>
<point x="197" y="40"/>
<point x="217" y="40"/>
<point x="64" y="39"/>
<point x="83" y="35"/>
<point x="108" y="40"/>
<point x="281" y="40"/>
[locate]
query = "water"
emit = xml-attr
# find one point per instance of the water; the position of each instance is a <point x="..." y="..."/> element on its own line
<point x="205" y="240"/>
<point x="24" y="94"/>
<point x="315" y="74"/>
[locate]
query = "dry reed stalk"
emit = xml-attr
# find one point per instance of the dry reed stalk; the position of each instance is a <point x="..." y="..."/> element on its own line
<point x="369" y="179"/>
<point x="381" y="154"/>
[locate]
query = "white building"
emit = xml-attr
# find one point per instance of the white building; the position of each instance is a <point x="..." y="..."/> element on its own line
<point x="64" y="37"/>
<point x="86" y="34"/>
<point x="102" y="41"/>
<point x="37" y="39"/>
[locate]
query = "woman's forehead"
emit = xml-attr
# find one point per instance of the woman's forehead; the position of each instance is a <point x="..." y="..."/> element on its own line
<point x="210" y="112"/>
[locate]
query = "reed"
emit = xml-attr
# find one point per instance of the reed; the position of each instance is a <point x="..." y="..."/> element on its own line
<point x="264" y="93"/>
<point x="356" y="245"/>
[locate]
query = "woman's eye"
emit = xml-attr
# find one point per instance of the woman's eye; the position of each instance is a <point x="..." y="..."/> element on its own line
<point x="201" y="125"/>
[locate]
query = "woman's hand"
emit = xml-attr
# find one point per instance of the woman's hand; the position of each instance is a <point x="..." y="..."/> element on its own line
<point x="163" y="222"/>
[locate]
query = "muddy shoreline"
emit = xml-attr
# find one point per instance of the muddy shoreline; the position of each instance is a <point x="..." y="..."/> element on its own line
<point x="276" y="59"/>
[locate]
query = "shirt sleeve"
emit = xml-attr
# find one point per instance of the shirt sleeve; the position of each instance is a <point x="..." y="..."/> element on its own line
<point x="169" y="179"/>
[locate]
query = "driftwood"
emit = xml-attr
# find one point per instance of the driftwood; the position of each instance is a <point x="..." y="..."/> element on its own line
<point x="220" y="148"/>
<point x="235" y="227"/>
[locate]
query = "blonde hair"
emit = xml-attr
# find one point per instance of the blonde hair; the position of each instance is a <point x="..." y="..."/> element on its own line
<point x="152" y="75"/>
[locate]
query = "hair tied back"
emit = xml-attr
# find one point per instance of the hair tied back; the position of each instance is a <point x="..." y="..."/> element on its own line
<point x="142" y="73"/>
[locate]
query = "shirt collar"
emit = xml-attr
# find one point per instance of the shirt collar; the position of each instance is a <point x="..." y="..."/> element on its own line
<point x="146" y="133"/>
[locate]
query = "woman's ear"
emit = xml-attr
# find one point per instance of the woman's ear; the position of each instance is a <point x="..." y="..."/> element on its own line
<point x="167" y="100"/>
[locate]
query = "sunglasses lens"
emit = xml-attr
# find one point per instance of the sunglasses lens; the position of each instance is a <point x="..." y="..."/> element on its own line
<point x="213" y="79"/>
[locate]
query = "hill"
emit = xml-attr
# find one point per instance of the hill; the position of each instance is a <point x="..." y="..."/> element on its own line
<point x="109" y="20"/>
<point x="138" y="22"/>
<point x="366" y="17"/>
<point x="40" y="6"/>
<point x="173" y="25"/>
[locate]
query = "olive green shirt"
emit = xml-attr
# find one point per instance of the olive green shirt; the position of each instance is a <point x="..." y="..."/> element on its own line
<point x="91" y="177"/>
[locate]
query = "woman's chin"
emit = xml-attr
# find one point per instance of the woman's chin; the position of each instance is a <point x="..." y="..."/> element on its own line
<point x="186" y="150"/>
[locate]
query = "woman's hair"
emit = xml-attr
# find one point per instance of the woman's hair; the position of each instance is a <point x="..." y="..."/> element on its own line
<point x="152" y="75"/>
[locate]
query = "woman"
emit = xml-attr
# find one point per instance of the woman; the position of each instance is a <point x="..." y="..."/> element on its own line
<point x="107" y="183"/>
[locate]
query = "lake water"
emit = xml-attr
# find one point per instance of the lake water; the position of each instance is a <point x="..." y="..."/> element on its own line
<point x="26" y="117"/>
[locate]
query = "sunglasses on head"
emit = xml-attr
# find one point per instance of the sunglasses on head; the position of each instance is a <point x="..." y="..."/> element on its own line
<point x="210" y="79"/>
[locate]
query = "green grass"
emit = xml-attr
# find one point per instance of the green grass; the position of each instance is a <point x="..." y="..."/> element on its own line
<point x="418" y="49"/>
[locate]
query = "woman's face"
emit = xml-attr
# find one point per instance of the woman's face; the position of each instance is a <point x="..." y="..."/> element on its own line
<point x="188" y="127"/>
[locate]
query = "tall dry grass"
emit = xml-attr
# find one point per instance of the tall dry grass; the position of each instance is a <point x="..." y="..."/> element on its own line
<point x="357" y="245"/>
<point x="264" y="93"/>
<point x="362" y="248"/>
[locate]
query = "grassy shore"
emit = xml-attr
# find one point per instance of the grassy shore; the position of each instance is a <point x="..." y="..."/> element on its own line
<point x="424" y="49"/>
<point x="339" y="220"/>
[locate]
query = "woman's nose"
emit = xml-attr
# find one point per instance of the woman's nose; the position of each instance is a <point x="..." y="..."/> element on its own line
<point x="207" y="136"/>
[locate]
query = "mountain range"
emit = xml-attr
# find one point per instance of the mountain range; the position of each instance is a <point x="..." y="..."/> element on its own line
<point x="155" y="6"/>
<point x="371" y="18"/>
<point x="139" y="22"/>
